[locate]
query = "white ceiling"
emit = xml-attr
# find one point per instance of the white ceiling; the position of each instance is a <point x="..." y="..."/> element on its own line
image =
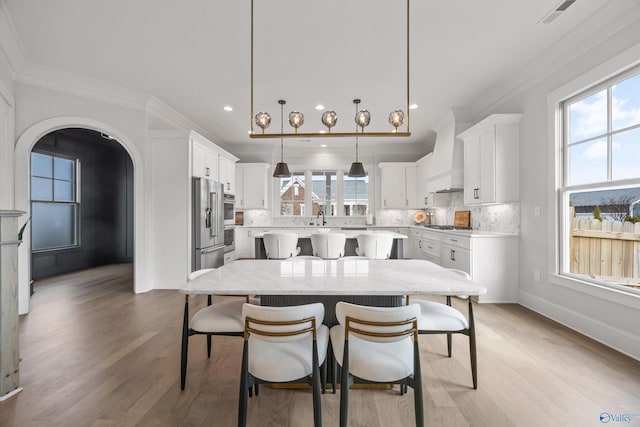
<point x="194" y="55"/>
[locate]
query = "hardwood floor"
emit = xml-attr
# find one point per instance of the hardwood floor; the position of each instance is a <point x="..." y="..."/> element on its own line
<point x="95" y="354"/>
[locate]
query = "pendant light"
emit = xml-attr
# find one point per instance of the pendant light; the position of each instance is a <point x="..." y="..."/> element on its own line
<point x="362" y="119"/>
<point x="281" y="170"/>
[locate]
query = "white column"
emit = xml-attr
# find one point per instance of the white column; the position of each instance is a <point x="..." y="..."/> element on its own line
<point x="9" y="358"/>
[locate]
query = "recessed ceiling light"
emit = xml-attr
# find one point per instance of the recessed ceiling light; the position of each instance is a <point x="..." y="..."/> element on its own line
<point x="228" y="108"/>
<point x="249" y="132"/>
<point x="322" y="131"/>
<point x="319" y="107"/>
<point x="323" y="145"/>
<point x="413" y="106"/>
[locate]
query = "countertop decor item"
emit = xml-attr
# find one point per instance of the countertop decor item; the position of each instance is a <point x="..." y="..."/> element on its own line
<point x="419" y="217"/>
<point x="462" y="219"/>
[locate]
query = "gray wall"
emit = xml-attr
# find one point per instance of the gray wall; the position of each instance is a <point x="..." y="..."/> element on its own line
<point x="106" y="208"/>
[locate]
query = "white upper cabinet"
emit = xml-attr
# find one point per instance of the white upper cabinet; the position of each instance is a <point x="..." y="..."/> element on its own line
<point x="228" y="174"/>
<point x="398" y="185"/>
<point x="491" y="160"/>
<point x="204" y="158"/>
<point x="252" y="185"/>
<point x="424" y="195"/>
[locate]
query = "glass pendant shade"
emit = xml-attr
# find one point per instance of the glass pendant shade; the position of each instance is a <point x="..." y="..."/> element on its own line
<point x="363" y="118"/>
<point x="396" y="118"/>
<point x="329" y="119"/>
<point x="281" y="171"/>
<point x="263" y="120"/>
<point x="296" y="119"/>
<point x="357" y="170"/>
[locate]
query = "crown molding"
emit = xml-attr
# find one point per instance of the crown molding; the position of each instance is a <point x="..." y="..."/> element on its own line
<point x="6" y="95"/>
<point x="165" y="112"/>
<point x="75" y="84"/>
<point x="11" y="47"/>
<point x="603" y="23"/>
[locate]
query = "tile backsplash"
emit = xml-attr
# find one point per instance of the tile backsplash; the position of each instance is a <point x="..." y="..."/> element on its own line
<point x="502" y="218"/>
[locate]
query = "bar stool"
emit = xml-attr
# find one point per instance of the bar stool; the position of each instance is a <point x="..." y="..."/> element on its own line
<point x="281" y="245"/>
<point x="374" y="245"/>
<point x="328" y="245"/>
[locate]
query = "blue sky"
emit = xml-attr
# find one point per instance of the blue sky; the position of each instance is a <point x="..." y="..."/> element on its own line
<point x="588" y="119"/>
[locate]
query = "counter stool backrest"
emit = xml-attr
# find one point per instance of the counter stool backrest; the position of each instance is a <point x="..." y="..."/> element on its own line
<point x="374" y="245"/>
<point x="328" y="245"/>
<point x="281" y="245"/>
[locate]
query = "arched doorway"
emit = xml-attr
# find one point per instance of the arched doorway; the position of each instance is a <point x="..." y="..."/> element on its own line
<point x="81" y="202"/>
<point x="23" y="150"/>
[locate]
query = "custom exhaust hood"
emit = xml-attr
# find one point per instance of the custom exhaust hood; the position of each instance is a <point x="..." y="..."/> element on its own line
<point x="446" y="174"/>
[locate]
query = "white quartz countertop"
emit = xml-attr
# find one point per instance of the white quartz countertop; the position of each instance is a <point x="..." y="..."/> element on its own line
<point x="346" y="276"/>
<point x="468" y="233"/>
<point x="351" y="234"/>
<point x="305" y="231"/>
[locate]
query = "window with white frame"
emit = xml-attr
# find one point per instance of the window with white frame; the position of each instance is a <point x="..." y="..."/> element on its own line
<point x="325" y="193"/>
<point x="600" y="190"/>
<point x="292" y="195"/>
<point x="356" y="195"/>
<point x="332" y="192"/>
<point x="54" y="202"/>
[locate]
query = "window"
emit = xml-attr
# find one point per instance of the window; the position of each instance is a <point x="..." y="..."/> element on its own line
<point x="54" y="206"/>
<point x="324" y="197"/>
<point x="292" y="195"/>
<point x="356" y="195"/>
<point x="332" y="192"/>
<point x="600" y="191"/>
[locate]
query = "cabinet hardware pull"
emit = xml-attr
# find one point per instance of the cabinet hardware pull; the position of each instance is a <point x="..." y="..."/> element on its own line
<point x="453" y="240"/>
<point x="453" y="255"/>
<point x="207" y="171"/>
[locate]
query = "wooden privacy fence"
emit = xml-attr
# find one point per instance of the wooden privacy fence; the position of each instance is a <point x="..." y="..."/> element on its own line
<point x="606" y="249"/>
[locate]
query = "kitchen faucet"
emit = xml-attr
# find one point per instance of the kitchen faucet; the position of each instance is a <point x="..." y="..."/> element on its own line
<point x="320" y="212"/>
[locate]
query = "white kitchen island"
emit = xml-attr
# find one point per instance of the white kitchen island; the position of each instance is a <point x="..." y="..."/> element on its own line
<point x="352" y="279"/>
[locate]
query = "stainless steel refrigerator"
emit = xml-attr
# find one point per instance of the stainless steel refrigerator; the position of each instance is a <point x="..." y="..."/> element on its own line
<point x="208" y="224"/>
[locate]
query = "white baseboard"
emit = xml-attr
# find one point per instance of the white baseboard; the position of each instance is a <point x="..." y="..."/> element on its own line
<point x="10" y="394"/>
<point x="608" y="335"/>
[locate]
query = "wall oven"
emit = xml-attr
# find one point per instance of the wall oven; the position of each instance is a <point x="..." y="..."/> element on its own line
<point x="229" y="209"/>
<point x="229" y="238"/>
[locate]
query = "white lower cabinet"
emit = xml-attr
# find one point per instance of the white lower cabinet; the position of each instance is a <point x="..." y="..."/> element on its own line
<point x="491" y="259"/>
<point x="425" y="245"/>
<point x="455" y="252"/>
<point x="243" y="243"/>
<point x="229" y="257"/>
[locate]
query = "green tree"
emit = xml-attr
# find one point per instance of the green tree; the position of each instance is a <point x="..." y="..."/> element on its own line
<point x="597" y="214"/>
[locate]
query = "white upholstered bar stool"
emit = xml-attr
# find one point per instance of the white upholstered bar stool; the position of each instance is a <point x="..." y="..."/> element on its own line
<point x="283" y="345"/>
<point x="328" y="245"/>
<point x="374" y="245"/>
<point x="438" y="318"/>
<point x="224" y="318"/>
<point x="281" y="245"/>
<point x="377" y="345"/>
